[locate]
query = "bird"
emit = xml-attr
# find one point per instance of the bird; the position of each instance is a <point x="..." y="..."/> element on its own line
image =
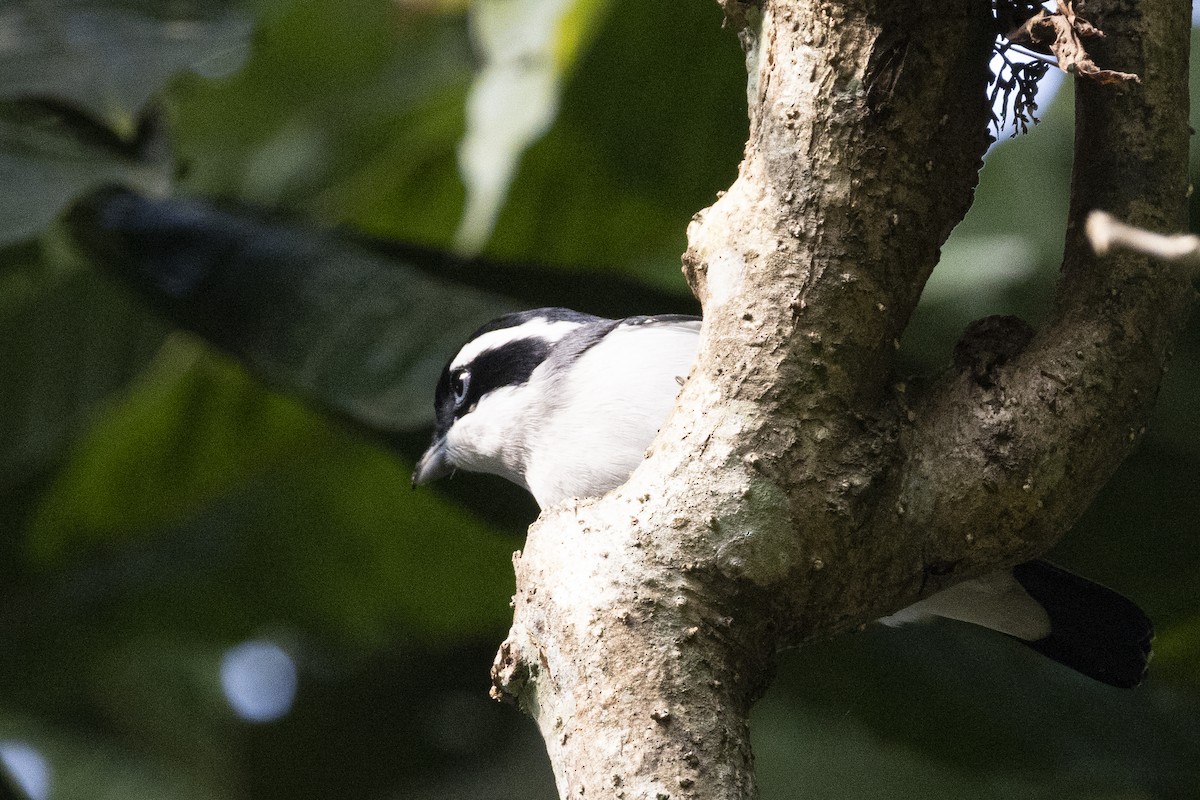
<point x="564" y="404"/>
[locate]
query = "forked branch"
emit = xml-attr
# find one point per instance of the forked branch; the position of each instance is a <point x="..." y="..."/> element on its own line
<point x="794" y="493"/>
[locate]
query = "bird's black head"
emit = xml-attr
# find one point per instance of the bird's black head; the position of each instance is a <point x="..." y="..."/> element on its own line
<point x="502" y="353"/>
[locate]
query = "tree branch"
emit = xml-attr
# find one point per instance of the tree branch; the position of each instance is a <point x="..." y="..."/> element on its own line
<point x="795" y="492"/>
<point x="646" y="622"/>
<point x="1020" y="456"/>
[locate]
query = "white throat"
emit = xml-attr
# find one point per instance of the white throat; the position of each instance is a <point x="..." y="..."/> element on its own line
<point x="494" y="437"/>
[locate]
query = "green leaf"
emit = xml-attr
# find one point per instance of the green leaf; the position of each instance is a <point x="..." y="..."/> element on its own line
<point x="348" y="112"/>
<point x="71" y="339"/>
<point x="77" y="79"/>
<point x="528" y="48"/>
<point x="40" y="148"/>
<point x="190" y="428"/>
<point x="647" y="134"/>
<point x="110" y="59"/>
<point x="321" y="317"/>
<point x="198" y="455"/>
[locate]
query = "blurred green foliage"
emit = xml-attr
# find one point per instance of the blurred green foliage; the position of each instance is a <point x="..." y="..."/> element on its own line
<point x="160" y="504"/>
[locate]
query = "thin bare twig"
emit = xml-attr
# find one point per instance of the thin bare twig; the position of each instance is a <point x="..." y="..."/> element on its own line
<point x="1106" y="233"/>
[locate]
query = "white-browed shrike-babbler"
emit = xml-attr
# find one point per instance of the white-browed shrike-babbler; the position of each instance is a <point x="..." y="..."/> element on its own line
<point x="565" y="405"/>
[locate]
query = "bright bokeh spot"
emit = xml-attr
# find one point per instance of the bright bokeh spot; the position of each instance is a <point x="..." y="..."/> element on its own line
<point x="28" y="768"/>
<point x="259" y="680"/>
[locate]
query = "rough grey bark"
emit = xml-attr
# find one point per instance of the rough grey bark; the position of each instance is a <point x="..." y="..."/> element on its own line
<point x="797" y="491"/>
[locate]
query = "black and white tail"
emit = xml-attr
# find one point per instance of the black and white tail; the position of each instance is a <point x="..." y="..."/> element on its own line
<point x="1078" y="623"/>
<point x="1093" y="629"/>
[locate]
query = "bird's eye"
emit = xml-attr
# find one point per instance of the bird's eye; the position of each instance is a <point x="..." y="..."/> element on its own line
<point x="461" y="383"/>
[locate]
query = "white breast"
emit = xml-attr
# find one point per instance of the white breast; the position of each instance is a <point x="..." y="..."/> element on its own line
<point x="602" y="415"/>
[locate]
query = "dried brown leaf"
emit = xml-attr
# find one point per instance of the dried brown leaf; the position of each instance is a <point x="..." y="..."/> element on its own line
<point x="1105" y="77"/>
<point x="1063" y="32"/>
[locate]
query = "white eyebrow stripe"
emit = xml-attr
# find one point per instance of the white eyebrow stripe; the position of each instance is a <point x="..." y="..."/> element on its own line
<point x="536" y="328"/>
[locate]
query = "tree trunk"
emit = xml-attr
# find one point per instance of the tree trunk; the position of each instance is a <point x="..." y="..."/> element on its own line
<point x="796" y="491"/>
